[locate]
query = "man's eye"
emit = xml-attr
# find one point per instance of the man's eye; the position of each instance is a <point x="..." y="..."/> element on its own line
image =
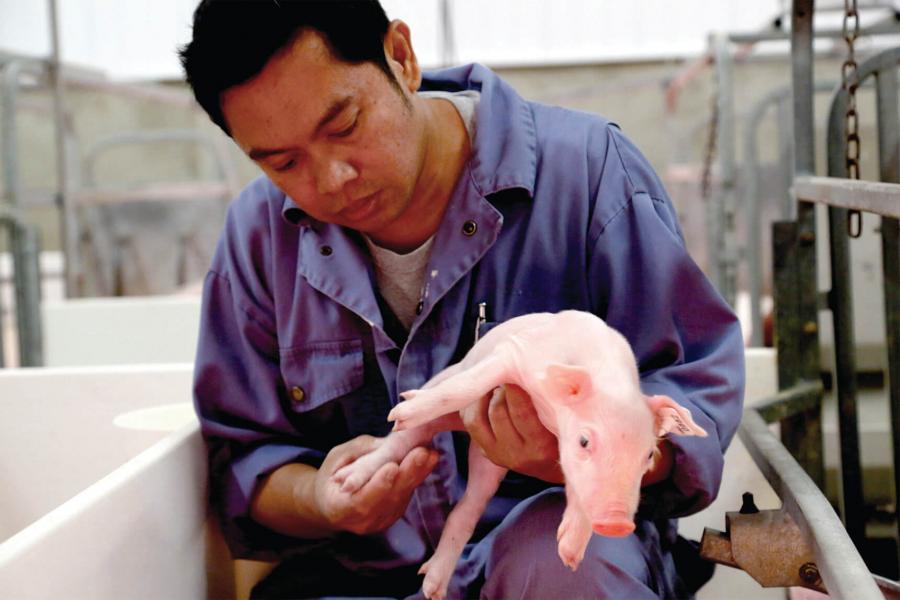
<point x="287" y="166"/>
<point x="345" y="132"/>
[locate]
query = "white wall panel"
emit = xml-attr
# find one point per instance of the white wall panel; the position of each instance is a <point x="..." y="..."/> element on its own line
<point x="137" y="38"/>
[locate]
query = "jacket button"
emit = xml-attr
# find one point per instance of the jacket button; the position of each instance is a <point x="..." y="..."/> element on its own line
<point x="325" y="250"/>
<point x="469" y="228"/>
<point x="297" y="393"/>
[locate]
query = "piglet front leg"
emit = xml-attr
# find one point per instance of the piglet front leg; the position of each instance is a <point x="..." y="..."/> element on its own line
<point x="388" y="449"/>
<point x="453" y="393"/>
<point x="392" y="448"/>
<point x="573" y="534"/>
<point x="484" y="479"/>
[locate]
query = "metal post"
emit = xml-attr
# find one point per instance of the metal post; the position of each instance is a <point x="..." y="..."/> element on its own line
<point x="68" y="228"/>
<point x="448" y="40"/>
<point x="23" y="239"/>
<point x="752" y="218"/>
<point x="840" y="302"/>
<point x="28" y="282"/>
<point x="889" y="158"/>
<point x="12" y="71"/>
<point x="798" y="358"/>
<point x="724" y="248"/>
<point x="26" y="253"/>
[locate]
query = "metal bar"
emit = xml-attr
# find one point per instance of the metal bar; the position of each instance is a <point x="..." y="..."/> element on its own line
<point x="27" y="279"/>
<point x="805" y="163"/>
<point x="889" y="170"/>
<point x="842" y="569"/>
<point x="801" y="433"/>
<point x="787" y="403"/>
<point x="68" y="225"/>
<point x="2" y="335"/>
<point x="752" y="218"/>
<point x="9" y="139"/>
<point x="724" y="250"/>
<point x="171" y="192"/>
<point x="840" y="302"/>
<point x="780" y="99"/>
<point x="803" y="86"/>
<point x="28" y="285"/>
<point x="870" y="196"/>
<point x="886" y="26"/>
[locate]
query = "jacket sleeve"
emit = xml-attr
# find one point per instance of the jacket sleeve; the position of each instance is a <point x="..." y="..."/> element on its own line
<point x="239" y="392"/>
<point x="686" y="338"/>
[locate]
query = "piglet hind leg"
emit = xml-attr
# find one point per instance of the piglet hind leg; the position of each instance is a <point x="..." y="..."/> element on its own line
<point x="573" y="534"/>
<point x="484" y="479"/>
<point x="452" y="393"/>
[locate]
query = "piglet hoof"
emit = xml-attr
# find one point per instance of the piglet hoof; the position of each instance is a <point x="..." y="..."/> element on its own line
<point x="437" y="578"/>
<point x="570" y="557"/>
<point x="570" y="548"/>
<point x="349" y="479"/>
<point x="406" y="416"/>
<point x="409" y="395"/>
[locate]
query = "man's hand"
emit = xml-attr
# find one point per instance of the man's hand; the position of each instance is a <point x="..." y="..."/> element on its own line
<point x="299" y="500"/>
<point x="506" y="427"/>
<point x="382" y="500"/>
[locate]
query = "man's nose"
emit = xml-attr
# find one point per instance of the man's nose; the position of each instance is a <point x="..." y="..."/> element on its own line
<point x="332" y="174"/>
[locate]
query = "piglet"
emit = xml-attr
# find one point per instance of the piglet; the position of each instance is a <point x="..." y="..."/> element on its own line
<point x="583" y="379"/>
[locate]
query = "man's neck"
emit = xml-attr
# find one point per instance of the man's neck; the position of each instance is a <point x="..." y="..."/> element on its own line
<point x="446" y="152"/>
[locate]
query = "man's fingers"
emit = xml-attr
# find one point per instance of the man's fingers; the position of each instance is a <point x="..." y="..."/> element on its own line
<point x="522" y="412"/>
<point x="375" y="490"/>
<point x="502" y="424"/>
<point x="478" y="423"/>
<point x="414" y="468"/>
<point x="348" y="452"/>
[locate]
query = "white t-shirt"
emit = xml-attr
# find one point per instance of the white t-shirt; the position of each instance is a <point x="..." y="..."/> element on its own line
<point x="400" y="276"/>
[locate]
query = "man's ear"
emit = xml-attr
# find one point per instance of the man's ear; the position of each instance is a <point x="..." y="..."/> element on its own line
<point x="400" y="56"/>
<point x="567" y="384"/>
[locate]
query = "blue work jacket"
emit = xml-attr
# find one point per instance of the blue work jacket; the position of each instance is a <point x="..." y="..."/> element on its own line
<point x="555" y="209"/>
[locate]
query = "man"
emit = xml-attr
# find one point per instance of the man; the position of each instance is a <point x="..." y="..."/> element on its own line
<point x="398" y="217"/>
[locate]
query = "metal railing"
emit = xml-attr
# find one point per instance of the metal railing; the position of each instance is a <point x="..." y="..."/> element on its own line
<point x="26" y="283"/>
<point x="725" y="255"/>
<point x="821" y="551"/>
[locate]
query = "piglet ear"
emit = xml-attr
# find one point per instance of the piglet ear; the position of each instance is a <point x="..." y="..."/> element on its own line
<point x="567" y="383"/>
<point x="671" y="417"/>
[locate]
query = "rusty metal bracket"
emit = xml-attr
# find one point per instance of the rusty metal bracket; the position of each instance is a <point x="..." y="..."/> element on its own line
<point x="767" y="544"/>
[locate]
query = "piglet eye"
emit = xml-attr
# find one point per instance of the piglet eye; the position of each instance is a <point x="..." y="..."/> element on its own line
<point x="583" y="442"/>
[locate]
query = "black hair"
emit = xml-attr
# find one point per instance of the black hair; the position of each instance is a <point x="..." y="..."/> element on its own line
<point x="234" y="39"/>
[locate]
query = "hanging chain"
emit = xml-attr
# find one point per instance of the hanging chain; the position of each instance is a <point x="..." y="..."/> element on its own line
<point x="850" y="83"/>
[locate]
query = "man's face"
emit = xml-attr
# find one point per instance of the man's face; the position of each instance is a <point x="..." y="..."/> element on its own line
<point x="343" y="142"/>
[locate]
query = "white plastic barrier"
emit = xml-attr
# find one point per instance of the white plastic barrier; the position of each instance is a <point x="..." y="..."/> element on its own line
<point x="118" y="331"/>
<point x="93" y="509"/>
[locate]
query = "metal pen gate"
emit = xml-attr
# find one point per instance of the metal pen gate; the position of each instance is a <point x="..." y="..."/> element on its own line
<point x="825" y="553"/>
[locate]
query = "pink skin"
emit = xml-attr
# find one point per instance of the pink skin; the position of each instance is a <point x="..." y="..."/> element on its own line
<point x="583" y="379"/>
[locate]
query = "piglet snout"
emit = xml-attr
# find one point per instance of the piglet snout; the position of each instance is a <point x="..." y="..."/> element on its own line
<point x="614" y="525"/>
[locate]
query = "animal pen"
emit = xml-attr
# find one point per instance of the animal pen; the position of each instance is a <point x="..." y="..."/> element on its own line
<point x="805" y="543"/>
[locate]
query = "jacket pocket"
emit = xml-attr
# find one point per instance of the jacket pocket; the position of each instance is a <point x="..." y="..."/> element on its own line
<point x="321" y="371"/>
<point x="483" y="328"/>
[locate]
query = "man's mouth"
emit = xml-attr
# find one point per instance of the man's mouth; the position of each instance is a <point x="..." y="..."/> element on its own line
<point x="359" y="209"/>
